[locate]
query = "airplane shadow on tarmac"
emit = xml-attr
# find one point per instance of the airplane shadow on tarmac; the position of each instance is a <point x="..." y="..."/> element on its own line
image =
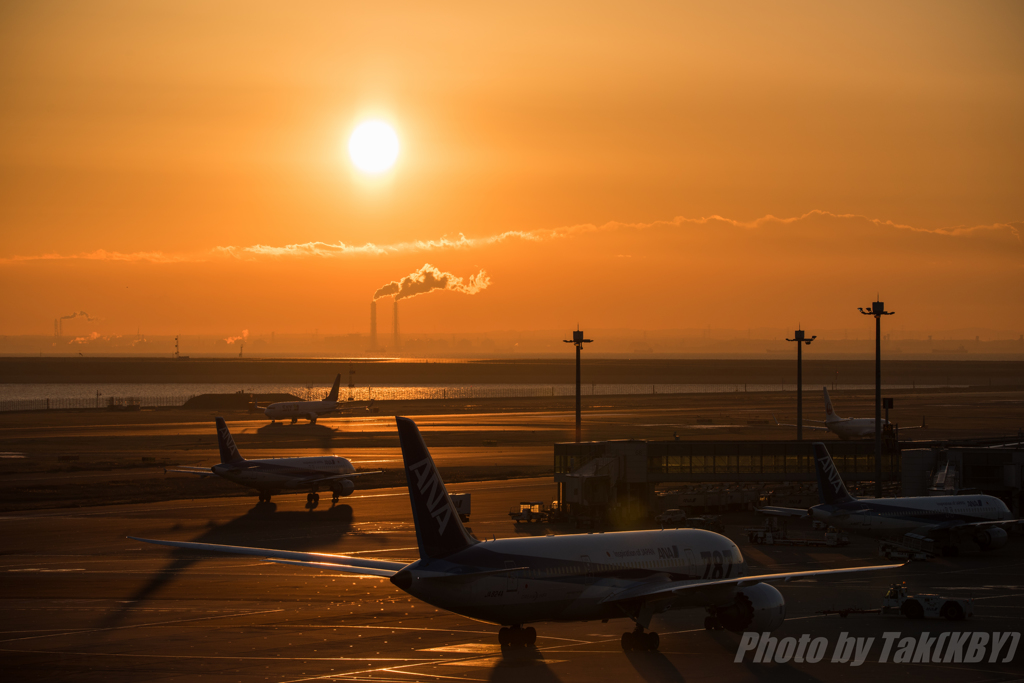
<point x="321" y="434"/>
<point x="519" y="664"/>
<point x="262" y="526"/>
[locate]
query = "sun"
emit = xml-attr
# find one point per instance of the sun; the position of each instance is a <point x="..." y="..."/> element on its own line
<point x="373" y="147"/>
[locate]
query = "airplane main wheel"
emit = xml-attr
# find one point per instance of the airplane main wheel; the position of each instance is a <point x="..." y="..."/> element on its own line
<point x="504" y="636"/>
<point x="627" y="641"/>
<point x="530" y="634"/>
<point x="653" y="641"/>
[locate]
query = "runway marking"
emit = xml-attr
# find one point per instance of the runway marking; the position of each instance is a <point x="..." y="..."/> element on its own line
<point x="494" y="661"/>
<point x="246" y="613"/>
<point x="467" y="648"/>
<point x="241" y="658"/>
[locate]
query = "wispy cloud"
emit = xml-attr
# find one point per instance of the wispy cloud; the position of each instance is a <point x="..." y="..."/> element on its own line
<point x="327" y="250"/>
<point x="104" y="255"/>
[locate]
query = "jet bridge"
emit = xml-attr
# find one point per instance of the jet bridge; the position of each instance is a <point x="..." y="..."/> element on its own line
<point x="602" y="478"/>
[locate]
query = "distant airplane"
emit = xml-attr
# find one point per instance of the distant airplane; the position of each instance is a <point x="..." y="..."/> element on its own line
<point x="845" y="428"/>
<point x="953" y="523"/>
<point x="273" y="475"/>
<point x="583" y="577"/>
<point x="310" y="410"/>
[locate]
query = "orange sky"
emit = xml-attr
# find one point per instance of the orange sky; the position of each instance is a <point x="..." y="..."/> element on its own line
<point x="584" y="152"/>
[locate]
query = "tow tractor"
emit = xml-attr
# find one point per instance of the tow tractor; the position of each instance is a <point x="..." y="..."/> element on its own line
<point x="896" y="601"/>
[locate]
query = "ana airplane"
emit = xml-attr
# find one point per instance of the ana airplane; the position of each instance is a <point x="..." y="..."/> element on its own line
<point x="951" y="523"/>
<point x="273" y="475"/>
<point x="595" y="576"/>
<point x="310" y="410"/>
<point x="845" y="428"/>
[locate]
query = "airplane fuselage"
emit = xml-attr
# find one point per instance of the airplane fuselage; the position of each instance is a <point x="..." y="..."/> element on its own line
<point x="889" y="517"/>
<point x="296" y="410"/>
<point x="280" y="474"/>
<point x="853" y="427"/>
<point x="567" y="577"/>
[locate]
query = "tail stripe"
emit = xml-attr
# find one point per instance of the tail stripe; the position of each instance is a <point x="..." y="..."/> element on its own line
<point x="439" y="531"/>
<point x="228" y="450"/>
<point x="831" y="489"/>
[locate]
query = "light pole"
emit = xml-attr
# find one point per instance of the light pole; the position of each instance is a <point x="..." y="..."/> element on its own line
<point x="878" y="310"/>
<point x="800" y="337"/>
<point x="579" y="341"/>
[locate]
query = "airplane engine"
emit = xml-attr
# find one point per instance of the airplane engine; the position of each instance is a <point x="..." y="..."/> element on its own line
<point x="756" y="608"/>
<point x="992" y="538"/>
<point x="345" y="487"/>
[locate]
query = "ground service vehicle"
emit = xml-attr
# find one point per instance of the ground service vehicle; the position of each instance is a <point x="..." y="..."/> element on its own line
<point x="896" y="601"/>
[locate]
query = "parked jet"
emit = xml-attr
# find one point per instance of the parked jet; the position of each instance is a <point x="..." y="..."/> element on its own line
<point x="596" y="576"/>
<point x="952" y="523"/>
<point x="309" y="410"/>
<point x="273" y="475"/>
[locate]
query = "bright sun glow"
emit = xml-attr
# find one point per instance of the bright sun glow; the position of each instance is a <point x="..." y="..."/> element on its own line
<point x="373" y="147"/>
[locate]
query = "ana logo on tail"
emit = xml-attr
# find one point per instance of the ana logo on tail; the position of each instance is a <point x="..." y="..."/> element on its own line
<point x="429" y="484"/>
<point x="828" y="467"/>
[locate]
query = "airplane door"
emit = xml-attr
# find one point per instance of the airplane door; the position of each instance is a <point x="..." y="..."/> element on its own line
<point x="588" y="570"/>
<point x="512" y="582"/>
<point x="691" y="564"/>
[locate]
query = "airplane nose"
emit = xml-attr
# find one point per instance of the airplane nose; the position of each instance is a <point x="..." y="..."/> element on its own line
<point x="402" y="579"/>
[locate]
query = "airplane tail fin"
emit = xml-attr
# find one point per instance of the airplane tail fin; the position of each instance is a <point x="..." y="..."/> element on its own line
<point x="831" y="489"/>
<point x="830" y="412"/>
<point x="228" y="450"/>
<point x="333" y="396"/>
<point x="439" y="532"/>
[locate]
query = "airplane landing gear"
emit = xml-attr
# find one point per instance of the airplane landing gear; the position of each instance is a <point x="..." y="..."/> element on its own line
<point x="312" y="499"/>
<point x="312" y="420"/>
<point x="713" y="624"/>
<point x="517" y="636"/>
<point x="264" y="497"/>
<point x="640" y="641"/>
<point x="294" y="420"/>
<point x="334" y="498"/>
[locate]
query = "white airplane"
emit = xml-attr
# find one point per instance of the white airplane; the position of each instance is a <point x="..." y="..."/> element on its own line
<point x="274" y="475"/>
<point x="845" y="428"/>
<point x="310" y="410"/>
<point x="951" y="523"/>
<point x="595" y="576"/>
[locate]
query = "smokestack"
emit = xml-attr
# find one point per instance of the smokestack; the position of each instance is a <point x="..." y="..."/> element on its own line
<point x="396" y="325"/>
<point x="373" y="325"/>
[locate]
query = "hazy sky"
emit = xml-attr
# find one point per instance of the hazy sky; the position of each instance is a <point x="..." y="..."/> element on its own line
<point x="181" y="166"/>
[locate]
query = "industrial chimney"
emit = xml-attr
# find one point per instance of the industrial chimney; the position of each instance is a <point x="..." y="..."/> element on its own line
<point x="396" y="325"/>
<point x="373" y="325"/>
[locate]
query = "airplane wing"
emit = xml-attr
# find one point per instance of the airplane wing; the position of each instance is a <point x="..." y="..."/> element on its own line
<point x="201" y="471"/>
<point x="317" y="480"/>
<point x="806" y="426"/>
<point x="664" y="591"/>
<point x="343" y="563"/>
<point x="773" y="511"/>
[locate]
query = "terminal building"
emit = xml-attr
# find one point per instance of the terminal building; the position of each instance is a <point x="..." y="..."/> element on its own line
<point x="599" y="480"/>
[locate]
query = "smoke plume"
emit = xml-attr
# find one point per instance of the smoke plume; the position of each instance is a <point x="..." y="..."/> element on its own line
<point x="243" y="337"/>
<point x="80" y="314"/>
<point x="427" y="279"/>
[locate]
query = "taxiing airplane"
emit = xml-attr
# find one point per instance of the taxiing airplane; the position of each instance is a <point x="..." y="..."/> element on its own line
<point x="845" y="428"/>
<point x="273" y="475"/>
<point x="950" y="523"/>
<point x="309" y="410"/>
<point x="595" y="576"/>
